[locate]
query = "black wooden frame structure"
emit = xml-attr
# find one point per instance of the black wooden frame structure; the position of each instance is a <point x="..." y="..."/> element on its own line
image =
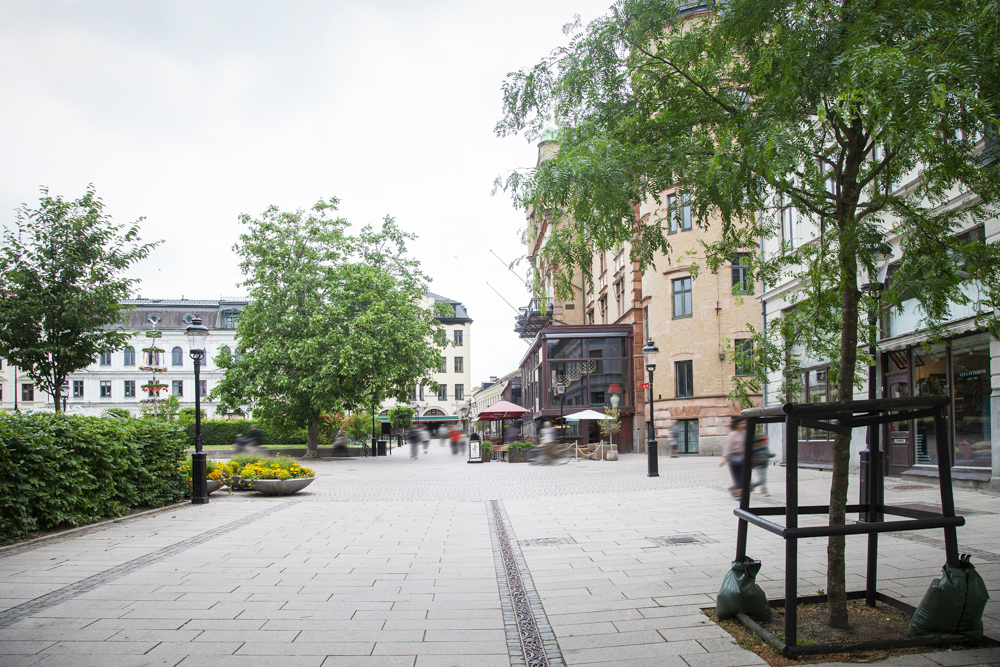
<point x="843" y="417"/>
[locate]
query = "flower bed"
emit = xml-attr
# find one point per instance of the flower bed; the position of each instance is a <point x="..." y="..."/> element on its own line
<point x="243" y="471"/>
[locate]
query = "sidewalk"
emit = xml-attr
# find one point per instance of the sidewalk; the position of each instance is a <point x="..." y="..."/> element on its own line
<point x="399" y="562"/>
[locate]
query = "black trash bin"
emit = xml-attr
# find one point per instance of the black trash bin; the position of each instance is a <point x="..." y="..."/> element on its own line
<point x="381" y="447"/>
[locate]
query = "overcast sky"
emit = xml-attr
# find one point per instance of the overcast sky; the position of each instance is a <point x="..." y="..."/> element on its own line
<point x="190" y="113"/>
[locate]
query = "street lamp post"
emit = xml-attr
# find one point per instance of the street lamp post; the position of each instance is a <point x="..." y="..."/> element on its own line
<point x="649" y="355"/>
<point x="872" y="466"/>
<point x="561" y="393"/>
<point x="197" y="334"/>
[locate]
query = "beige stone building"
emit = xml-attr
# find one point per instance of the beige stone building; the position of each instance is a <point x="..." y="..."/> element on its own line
<point x="695" y="317"/>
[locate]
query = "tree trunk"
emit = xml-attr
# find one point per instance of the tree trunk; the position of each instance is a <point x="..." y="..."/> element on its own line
<point x="836" y="578"/>
<point x="312" y="441"/>
<point x="57" y="395"/>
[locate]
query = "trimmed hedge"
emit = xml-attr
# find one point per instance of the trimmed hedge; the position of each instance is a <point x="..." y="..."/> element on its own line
<point x="224" y="432"/>
<point x="65" y="469"/>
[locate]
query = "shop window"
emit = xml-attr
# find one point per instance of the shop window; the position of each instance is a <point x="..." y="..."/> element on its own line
<point x="815" y="389"/>
<point x="565" y="348"/>
<point x="607" y="348"/>
<point x="970" y="372"/>
<point x="683" y="306"/>
<point x="684" y="373"/>
<point x="930" y="378"/>
<point x="686" y="434"/>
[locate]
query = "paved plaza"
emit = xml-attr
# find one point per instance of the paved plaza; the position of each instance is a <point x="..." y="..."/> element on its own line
<point x="435" y="563"/>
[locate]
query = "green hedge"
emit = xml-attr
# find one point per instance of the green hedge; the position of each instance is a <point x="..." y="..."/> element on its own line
<point x="224" y="432"/>
<point x="67" y="469"/>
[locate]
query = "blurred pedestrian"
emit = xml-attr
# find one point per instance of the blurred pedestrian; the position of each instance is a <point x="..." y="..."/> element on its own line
<point x="340" y="445"/>
<point x="413" y="438"/>
<point x="733" y="454"/>
<point x="255" y="439"/>
<point x="762" y="456"/>
<point x="547" y="441"/>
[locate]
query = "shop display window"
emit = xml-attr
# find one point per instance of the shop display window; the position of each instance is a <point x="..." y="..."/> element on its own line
<point x="970" y="381"/>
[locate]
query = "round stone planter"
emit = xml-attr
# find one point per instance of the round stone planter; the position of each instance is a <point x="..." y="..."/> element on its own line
<point x="281" y="487"/>
<point x="213" y="485"/>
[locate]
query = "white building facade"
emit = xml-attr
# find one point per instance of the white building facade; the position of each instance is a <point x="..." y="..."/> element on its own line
<point x="114" y="379"/>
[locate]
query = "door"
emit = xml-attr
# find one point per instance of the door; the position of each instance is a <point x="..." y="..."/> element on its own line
<point x="900" y="437"/>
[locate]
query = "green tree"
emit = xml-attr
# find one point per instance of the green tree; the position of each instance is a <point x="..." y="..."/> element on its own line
<point x="613" y="423"/>
<point x="61" y="287"/>
<point x="333" y="319"/>
<point x="821" y="106"/>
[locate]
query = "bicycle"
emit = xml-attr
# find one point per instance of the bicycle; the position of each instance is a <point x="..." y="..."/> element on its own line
<point x="366" y="449"/>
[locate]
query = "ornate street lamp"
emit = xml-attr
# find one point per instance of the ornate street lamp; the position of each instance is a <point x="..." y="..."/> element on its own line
<point x="560" y="391"/>
<point x="197" y="334"/>
<point x="649" y="355"/>
<point x="872" y="470"/>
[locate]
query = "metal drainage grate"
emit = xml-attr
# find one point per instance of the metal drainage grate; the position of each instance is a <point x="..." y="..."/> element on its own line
<point x="677" y="540"/>
<point x="911" y="487"/>
<point x="928" y="507"/>
<point x="547" y="541"/>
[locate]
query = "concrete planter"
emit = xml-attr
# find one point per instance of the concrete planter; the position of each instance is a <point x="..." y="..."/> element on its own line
<point x="281" y="487"/>
<point x="213" y="486"/>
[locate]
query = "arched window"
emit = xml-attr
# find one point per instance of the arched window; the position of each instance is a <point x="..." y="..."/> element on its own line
<point x="225" y="350"/>
<point x="434" y="412"/>
<point x="130" y="356"/>
<point x="177" y="357"/>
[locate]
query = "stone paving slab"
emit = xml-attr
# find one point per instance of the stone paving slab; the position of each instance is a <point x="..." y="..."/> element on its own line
<point x="395" y="562"/>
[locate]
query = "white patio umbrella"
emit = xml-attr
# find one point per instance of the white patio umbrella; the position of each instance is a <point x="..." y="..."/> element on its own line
<point x="586" y="414"/>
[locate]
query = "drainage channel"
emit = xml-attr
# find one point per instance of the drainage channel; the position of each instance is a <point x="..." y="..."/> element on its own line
<point x="530" y="639"/>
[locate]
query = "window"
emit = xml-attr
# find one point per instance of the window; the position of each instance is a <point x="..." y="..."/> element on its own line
<point x="421" y="392"/>
<point x="815" y="389"/>
<point x="77" y="388"/>
<point x="672" y="214"/>
<point x="27" y="392"/>
<point x="1" y="392"/>
<point x="129" y="388"/>
<point x="682" y="298"/>
<point x="459" y="365"/>
<point x="229" y="320"/>
<point x="744" y="349"/>
<point x="177" y="388"/>
<point x="105" y="358"/>
<point x="687" y="436"/>
<point x="202" y="388"/>
<point x="177" y="357"/>
<point x="685" y="212"/>
<point x="685" y="378"/>
<point x="130" y="356"/>
<point x="590" y="316"/>
<point x="788" y="223"/>
<point x="602" y="303"/>
<point x="459" y="392"/>
<point x="604" y="265"/>
<point x="413" y="394"/>
<point x="443" y="368"/>
<point x="741" y="274"/>
<point x="442" y="392"/>
<point x="458" y="337"/>
<point x="105" y="388"/>
<point x="224" y="350"/>
<point x="620" y="296"/>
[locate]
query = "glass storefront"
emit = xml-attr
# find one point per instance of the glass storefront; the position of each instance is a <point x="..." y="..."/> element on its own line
<point x="930" y="378"/>
<point x="970" y="364"/>
<point x="591" y="366"/>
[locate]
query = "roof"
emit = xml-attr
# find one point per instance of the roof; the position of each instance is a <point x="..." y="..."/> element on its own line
<point x="461" y="314"/>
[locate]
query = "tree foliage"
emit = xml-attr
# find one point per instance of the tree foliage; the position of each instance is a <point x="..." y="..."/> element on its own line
<point x="824" y="107"/>
<point x="334" y="319"/>
<point x="401" y="416"/>
<point x="61" y="287"/>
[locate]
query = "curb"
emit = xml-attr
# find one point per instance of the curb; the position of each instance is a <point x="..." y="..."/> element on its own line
<point x="70" y="532"/>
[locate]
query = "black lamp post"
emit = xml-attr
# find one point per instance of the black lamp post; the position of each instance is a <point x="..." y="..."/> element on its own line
<point x="649" y="354"/>
<point x="561" y="393"/>
<point x="197" y="334"/>
<point x="871" y="467"/>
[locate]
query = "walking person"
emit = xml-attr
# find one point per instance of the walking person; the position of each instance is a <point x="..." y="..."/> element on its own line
<point x="547" y="442"/>
<point x="733" y="454"/>
<point x="413" y="438"/>
<point x="762" y="456"/>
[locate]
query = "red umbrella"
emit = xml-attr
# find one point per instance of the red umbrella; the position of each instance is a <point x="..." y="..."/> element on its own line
<point x="502" y="410"/>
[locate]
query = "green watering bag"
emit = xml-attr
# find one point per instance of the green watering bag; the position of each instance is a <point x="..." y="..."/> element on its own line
<point x="740" y="592"/>
<point x="953" y="604"/>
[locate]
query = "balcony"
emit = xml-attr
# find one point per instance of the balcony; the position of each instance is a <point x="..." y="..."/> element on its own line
<point x="530" y="319"/>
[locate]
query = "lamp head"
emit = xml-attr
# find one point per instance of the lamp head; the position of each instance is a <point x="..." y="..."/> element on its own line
<point x="560" y="388"/>
<point x="196" y="334"/>
<point x="649" y="355"/>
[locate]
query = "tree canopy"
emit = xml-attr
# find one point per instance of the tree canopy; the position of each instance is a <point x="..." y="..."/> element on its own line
<point x="333" y="320"/>
<point x="822" y="106"/>
<point x="62" y="287"/>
